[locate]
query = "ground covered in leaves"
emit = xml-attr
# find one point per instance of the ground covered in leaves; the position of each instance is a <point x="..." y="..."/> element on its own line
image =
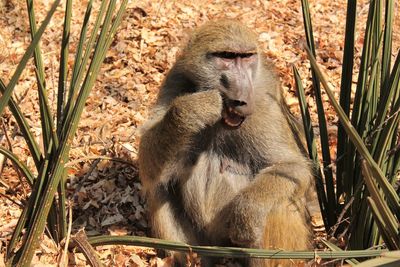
<point x="105" y="195"/>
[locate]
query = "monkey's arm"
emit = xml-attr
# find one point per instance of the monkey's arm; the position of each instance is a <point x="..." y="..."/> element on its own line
<point x="276" y="187"/>
<point x="171" y="135"/>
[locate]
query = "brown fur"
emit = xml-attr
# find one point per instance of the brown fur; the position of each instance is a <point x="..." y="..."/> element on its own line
<point x="209" y="185"/>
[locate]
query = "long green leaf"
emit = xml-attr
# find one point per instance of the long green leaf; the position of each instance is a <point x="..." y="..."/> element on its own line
<point x="24" y="127"/>
<point x="312" y="148"/>
<point x="333" y="247"/>
<point x="369" y="101"/>
<point x="383" y="124"/>
<point x="345" y="92"/>
<point x="61" y="208"/>
<point x="21" y="166"/>
<point x="390" y="193"/>
<point x="379" y="221"/>
<point x="364" y="68"/>
<point x="60" y="216"/>
<point x="380" y="262"/>
<point x="235" y="252"/>
<point x="387" y="45"/>
<point x="373" y="89"/>
<point x="45" y="116"/>
<point x="352" y="167"/>
<point x="387" y="219"/>
<point x="78" y="56"/>
<point x="82" y="64"/>
<point x="62" y="78"/>
<point x="388" y="93"/>
<point x="26" y="215"/>
<point x="16" y="235"/>
<point x="36" y="228"/>
<point x="21" y="66"/>
<point x="326" y="158"/>
<point x="50" y="139"/>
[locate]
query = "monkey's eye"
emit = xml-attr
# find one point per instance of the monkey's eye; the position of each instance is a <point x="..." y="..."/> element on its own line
<point x="231" y="55"/>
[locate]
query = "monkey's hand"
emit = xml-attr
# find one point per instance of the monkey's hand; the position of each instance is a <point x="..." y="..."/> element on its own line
<point x="162" y="142"/>
<point x="194" y="112"/>
<point x="247" y="219"/>
<point x="281" y="183"/>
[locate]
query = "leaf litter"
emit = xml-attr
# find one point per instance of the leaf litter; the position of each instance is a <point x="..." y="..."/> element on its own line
<point x="106" y="194"/>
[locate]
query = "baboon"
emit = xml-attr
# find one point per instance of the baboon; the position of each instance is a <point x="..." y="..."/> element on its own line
<point x="220" y="158"/>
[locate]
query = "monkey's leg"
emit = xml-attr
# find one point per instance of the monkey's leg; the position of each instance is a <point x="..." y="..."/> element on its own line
<point x="266" y="213"/>
<point x="169" y="222"/>
<point x="286" y="229"/>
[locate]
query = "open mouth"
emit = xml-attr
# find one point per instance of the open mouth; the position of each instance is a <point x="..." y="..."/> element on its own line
<point x="231" y="117"/>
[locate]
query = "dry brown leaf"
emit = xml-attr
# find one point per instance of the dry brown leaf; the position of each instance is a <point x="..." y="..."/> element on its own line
<point x="112" y="220"/>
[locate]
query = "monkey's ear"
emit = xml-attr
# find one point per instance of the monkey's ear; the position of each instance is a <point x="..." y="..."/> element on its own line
<point x="187" y="42"/>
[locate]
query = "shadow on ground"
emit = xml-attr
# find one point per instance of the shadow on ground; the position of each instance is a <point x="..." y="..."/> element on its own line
<point x="107" y="199"/>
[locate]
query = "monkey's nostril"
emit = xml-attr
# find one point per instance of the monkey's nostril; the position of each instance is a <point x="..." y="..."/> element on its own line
<point x="238" y="103"/>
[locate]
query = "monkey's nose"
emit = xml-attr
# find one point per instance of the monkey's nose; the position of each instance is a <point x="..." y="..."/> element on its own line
<point x="238" y="103"/>
<point x="243" y="107"/>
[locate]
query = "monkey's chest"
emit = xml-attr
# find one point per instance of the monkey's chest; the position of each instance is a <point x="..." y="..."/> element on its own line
<point x="211" y="185"/>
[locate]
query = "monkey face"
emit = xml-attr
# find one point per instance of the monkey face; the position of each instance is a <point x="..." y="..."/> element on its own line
<point x="237" y="71"/>
<point x="224" y="56"/>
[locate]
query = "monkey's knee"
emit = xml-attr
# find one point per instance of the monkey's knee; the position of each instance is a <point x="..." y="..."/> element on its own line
<point x="286" y="228"/>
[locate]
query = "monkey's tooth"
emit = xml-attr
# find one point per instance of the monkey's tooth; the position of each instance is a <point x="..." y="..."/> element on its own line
<point x="236" y="113"/>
